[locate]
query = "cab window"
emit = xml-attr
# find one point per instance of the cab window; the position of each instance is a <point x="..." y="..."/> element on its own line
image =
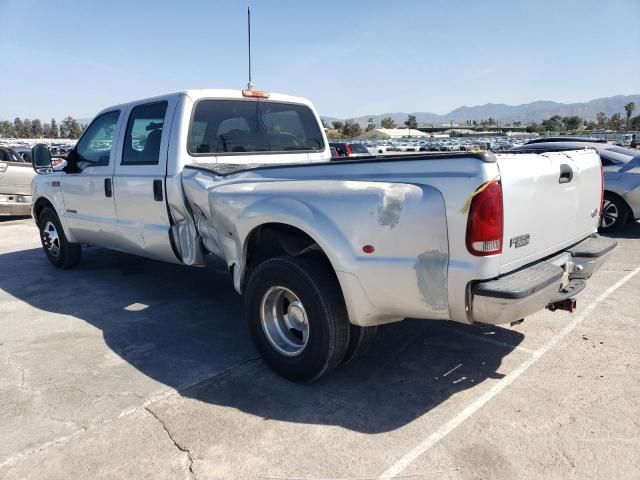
<point x="248" y="126"/>
<point x="94" y="147"/>
<point x="144" y="133"/>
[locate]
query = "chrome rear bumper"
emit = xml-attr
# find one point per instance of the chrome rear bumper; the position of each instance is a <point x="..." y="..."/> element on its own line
<point x="521" y="293"/>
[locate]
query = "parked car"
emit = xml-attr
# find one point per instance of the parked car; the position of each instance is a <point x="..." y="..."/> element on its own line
<point x="350" y="149"/>
<point x="621" y="168"/>
<point x="15" y="183"/>
<point x="323" y="252"/>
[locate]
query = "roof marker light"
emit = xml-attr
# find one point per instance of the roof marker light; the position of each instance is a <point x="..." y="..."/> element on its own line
<point x="255" y="94"/>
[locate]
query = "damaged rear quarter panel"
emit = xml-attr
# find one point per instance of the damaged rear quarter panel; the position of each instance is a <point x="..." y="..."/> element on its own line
<point x="406" y="223"/>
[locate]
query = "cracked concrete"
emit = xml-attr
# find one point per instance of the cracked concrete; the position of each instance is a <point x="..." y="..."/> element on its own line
<point x="93" y="390"/>
<point x="175" y="443"/>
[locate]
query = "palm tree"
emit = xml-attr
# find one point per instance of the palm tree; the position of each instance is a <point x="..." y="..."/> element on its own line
<point x="629" y="108"/>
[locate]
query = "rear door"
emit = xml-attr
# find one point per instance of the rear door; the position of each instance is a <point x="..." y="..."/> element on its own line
<point x="139" y="180"/>
<point x="551" y="200"/>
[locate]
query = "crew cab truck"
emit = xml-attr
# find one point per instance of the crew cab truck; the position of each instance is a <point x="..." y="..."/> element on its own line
<point x="323" y="252"/>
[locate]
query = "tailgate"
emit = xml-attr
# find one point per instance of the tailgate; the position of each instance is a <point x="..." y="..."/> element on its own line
<point x="15" y="178"/>
<point x="551" y="201"/>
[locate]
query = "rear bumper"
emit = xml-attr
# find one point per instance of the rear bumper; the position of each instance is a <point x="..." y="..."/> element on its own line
<point x="18" y="205"/>
<point x="521" y="293"/>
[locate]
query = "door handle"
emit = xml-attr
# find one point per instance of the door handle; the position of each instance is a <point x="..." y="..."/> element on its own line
<point x="157" y="190"/>
<point x="108" y="188"/>
<point x="566" y="173"/>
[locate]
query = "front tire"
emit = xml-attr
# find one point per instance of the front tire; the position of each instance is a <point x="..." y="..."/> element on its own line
<point x="297" y="317"/>
<point x="60" y="252"/>
<point x="614" y="213"/>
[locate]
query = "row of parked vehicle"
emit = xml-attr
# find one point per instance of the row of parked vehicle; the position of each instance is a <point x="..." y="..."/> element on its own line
<point x="621" y="167"/>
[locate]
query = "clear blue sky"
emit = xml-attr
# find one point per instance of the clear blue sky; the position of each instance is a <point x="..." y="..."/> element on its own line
<point x="350" y="57"/>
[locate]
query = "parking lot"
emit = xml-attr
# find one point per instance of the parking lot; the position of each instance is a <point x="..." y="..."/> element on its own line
<point x="126" y="368"/>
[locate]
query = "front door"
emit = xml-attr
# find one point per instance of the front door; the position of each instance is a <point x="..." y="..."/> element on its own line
<point x="87" y="184"/>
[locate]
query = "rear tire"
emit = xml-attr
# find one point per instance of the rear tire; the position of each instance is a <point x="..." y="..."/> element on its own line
<point x="360" y="340"/>
<point x="60" y="252"/>
<point x="615" y="213"/>
<point x="297" y="317"/>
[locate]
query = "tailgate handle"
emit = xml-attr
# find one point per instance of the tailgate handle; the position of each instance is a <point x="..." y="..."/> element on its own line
<point x="157" y="190"/>
<point x="566" y="173"/>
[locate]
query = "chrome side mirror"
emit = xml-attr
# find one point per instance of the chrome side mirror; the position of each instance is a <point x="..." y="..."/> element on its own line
<point x="41" y="159"/>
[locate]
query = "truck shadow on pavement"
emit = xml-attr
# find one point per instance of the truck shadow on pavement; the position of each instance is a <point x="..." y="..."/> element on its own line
<point x="630" y="230"/>
<point x="184" y="328"/>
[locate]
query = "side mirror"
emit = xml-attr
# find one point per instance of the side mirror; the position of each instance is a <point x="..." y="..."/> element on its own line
<point x="41" y="159"/>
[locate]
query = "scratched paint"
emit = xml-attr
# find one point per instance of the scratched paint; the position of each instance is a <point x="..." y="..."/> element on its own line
<point x="390" y="206"/>
<point x="431" y="271"/>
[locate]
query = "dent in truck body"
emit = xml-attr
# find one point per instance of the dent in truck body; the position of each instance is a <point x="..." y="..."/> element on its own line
<point x="397" y="281"/>
<point x="391" y="203"/>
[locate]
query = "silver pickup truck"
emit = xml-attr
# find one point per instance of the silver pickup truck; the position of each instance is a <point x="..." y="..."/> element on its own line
<point x="322" y="251"/>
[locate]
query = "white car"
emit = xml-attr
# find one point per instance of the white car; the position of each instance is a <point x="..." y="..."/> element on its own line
<point x="15" y="183"/>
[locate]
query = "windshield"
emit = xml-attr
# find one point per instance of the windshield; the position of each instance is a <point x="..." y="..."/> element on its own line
<point x="9" y="155"/>
<point x="244" y="126"/>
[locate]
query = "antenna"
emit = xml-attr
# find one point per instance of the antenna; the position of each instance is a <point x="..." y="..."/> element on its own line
<point x="249" y="86"/>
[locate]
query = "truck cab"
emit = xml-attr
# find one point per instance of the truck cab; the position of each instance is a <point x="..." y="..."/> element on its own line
<point x="124" y="172"/>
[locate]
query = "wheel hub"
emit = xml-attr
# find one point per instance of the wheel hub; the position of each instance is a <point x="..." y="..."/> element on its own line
<point x="51" y="239"/>
<point x="284" y="321"/>
<point x="609" y="214"/>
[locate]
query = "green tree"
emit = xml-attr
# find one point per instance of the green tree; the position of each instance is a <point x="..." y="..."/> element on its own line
<point x="53" y="129"/>
<point x="629" y="108"/>
<point x="553" y="124"/>
<point x="635" y="123"/>
<point x="26" y="128"/>
<point x="411" y="122"/>
<point x="6" y="129"/>
<point x="76" y="129"/>
<point x="337" y="124"/>
<point x="70" y="128"/>
<point x="36" y="128"/>
<point x="534" y="128"/>
<point x="387" y="122"/>
<point x="351" y="128"/>
<point x="371" y="124"/>
<point x="615" y="122"/>
<point x="602" y="121"/>
<point x="18" y="127"/>
<point x="572" y="123"/>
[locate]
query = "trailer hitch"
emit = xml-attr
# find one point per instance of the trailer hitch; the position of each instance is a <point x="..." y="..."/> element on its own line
<point x="570" y="305"/>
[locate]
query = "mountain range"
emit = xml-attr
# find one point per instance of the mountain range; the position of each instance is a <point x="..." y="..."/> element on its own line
<point x="525" y="113"/>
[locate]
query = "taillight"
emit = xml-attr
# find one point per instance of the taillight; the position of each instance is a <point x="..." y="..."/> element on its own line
<point x="347" y="149"/>
<point x="601" y="189"/>
<point x="485" y="221"/>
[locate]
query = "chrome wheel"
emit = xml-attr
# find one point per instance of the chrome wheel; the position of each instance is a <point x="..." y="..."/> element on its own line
<point x="610" y="214"/>
<point x="284" y="321"/>
<point x="51" y="239"/>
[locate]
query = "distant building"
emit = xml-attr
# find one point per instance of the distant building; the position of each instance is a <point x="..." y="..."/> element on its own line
<point x="393" y="133"/>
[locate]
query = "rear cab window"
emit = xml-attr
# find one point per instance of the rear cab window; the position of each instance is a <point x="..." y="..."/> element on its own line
<point x="143" y="135"/>
<point x="358" y="148"/>
<point x="222" y="127"/>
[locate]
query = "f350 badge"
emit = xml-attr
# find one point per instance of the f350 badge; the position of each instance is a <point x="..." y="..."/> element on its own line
<point x="519" y="241"/>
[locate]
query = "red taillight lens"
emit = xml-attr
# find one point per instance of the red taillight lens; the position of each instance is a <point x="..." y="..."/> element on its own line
<point x="485" y="221"/>
<point x="601" y="188"/>
<point x="347" y="149"/>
